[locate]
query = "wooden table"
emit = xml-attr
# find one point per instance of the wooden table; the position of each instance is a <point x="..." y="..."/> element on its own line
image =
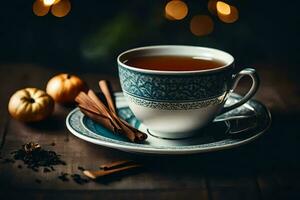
<point x="267" y="168"/>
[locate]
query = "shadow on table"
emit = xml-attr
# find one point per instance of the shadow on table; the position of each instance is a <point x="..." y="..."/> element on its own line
<point x="53" y="123"/>
<point x="276" y="149"/>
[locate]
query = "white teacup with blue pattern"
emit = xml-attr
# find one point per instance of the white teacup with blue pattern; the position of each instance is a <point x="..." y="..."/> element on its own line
<point x="174" y="104"/>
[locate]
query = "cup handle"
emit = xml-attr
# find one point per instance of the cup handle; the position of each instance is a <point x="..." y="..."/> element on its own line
<point x="236" y="78"/>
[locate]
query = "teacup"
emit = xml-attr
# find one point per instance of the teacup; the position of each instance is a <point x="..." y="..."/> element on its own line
<point x="174" y="104"/>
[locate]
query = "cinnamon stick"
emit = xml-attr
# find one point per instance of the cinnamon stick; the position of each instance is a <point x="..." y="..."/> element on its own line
<point x="84" y="107"/>
<point x="102" y="108"/>
<point x="116" y="164"/>
<point x="89" y="108"/>
<point x="127" y="131"/>
<point x="140" y="136"/>
<point x="107" y="93"/>
<point x="94" y="108"/>
<point x="114" y="118"/>
<point x="99" y="119"/>
<point x="83" y="99"/>
<point x="101" y="173"/>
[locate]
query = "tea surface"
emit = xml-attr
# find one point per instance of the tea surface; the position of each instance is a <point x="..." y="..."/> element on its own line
<point x="173" y="63"/>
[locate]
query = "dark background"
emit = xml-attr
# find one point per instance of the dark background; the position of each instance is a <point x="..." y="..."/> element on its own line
<point x="87" y="41"/>
<point x="91" y="36"/>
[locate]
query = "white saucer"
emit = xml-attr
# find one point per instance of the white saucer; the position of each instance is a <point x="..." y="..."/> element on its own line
<point x="216" y="136"/>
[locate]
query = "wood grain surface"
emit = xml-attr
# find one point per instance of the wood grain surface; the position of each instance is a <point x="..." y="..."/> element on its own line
<point x="268" y="168"/>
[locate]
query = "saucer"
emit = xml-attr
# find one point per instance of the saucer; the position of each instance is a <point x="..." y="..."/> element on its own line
<point x="244" y="124"/>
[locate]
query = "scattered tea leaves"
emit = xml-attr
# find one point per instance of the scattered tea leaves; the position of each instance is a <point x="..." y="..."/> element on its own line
<point x="46" y="170"/>
<point x="79" y="180"/>
<point x="34" y="156"/>
<point x="30" y="147"/>
<point x="63" y="177"/>
<point x="80" y="168"/>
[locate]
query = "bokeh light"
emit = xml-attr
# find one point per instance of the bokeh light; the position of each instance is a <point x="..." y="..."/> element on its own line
<point x="212" y="6"/>
<point x="48" y="2"/>
<point x="61" y="9"/>
<point x="169" y="17"/>
<point x="231" y="17"/>
<point x="56" y="1"/>
<point x="201" y="25"/>
<point x="176" y="10"/>
<point x="39" y="9"/>
<point x="223" y="8"/>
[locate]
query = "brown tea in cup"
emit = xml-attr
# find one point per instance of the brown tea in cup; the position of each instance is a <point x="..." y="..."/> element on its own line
<point x="174" y="63"/>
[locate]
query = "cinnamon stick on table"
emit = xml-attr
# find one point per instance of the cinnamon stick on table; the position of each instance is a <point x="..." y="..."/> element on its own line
<point x="116" y="164"/>
<point x="100" y="173"/>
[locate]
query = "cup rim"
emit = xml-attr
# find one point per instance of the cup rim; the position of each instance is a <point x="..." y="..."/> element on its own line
<point x="227" y="65"/>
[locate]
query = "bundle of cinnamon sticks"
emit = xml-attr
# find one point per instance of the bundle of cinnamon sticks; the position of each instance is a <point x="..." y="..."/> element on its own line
<point x="91" y="105"/>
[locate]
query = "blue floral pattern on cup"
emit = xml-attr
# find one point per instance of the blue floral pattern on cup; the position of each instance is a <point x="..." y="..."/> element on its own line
<point x="177" y="92"/>
<point x="181" y="88"/>
<point x="176" y="105"/>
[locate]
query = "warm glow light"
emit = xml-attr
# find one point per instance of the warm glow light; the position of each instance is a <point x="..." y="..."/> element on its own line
<point x="39" y="9"/>
<point x="61" y="9"/>
<point x="56" y="1"/>
<point x="223" y="8"/>
<point x="169" y="17"/>
<point x="232" y="17"/>
<point x="48" y="2"/>
<point x="212" y="6"/>
<point x="176" y="10"/>
<point x="201" y="25"/>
